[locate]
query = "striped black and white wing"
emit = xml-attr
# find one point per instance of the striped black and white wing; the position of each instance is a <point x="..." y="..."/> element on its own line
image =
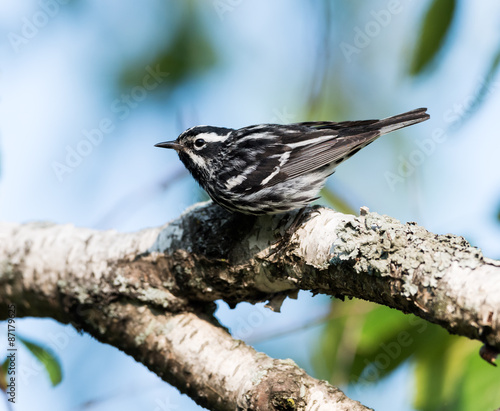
<point x="327" y="150"/>
<point x="267" y="155"/>
<point x="281" y="153"/>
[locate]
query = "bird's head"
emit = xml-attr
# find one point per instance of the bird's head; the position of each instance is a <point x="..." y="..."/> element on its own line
<point x="198" y="147"/>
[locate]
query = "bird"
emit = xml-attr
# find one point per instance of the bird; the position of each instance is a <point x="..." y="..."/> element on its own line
<point x="275" y="168"/>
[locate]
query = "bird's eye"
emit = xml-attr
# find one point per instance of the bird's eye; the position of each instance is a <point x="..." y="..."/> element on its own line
<point x="199" y="143"/>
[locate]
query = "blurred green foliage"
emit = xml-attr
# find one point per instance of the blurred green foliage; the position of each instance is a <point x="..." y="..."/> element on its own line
<point x="46" y="358"/>
<point x="435" y="26"/>
<point x="43" y="355"/>
<point x="189" y="52"/>
<point x="362" y="343"/>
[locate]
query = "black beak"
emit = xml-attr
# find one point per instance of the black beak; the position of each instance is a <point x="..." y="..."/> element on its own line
<point x="170" y="144"/>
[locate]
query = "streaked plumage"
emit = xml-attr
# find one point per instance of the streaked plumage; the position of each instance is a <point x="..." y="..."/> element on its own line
<point x="272" y="168"/>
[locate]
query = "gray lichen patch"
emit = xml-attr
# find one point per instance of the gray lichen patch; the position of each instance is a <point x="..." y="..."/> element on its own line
<point x="382" y="246"/>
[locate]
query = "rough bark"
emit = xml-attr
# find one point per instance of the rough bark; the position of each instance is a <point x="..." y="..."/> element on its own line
<point x="151" y="293"/>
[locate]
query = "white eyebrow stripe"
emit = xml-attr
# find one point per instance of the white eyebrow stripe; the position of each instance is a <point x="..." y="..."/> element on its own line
<point x="212" y="137"/>
<point x="257" y="136"/>
<point x="311" y="141"/>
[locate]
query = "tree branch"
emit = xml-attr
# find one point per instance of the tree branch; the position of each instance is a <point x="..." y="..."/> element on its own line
<point x="129" y="289"/>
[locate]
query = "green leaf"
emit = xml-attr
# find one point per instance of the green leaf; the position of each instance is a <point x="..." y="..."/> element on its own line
<point x="333" y="358"/>
<point x="436" y="25"/>
<point x="389" y="338"/>
<point x="380" y="324"/>
<point x="50" y="362"/>
<point x="3" y="374"/>
<point x="363" y="343"/>
<point x="5" y="365"/>
<point x="480" y="389"/>
<point x="429" y="380"/>
<point x="439" y="371"/>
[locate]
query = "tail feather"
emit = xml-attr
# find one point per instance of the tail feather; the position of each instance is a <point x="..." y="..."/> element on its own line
<point x="409" y="118"/>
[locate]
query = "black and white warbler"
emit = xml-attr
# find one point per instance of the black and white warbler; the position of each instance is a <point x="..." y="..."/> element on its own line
<point x="272" y="168"/>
